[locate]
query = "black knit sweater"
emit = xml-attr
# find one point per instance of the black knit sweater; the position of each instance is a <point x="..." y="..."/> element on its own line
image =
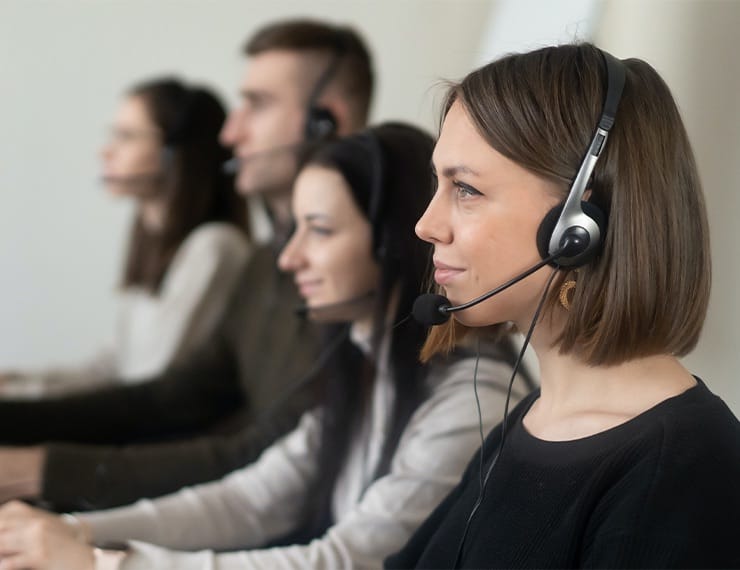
<point x="661" y="490"/>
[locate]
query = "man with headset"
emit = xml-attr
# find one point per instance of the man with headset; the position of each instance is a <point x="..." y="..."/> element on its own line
<point x="305" y="80"/>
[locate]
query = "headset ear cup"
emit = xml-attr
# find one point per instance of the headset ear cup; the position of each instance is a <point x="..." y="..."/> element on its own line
<point x="547" y="226"/>
<point x="320" y="124"/>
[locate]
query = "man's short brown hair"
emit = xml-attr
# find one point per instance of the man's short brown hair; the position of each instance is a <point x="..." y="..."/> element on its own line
<point x="353" y="75"/>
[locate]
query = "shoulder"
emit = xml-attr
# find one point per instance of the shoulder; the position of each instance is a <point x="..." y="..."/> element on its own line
<point x="458" y="374"/>
<point x="672" y="482"/>
<point x="697" y="427"/>
<point x="216" y="236"/>
<point x="214" y="250"/>
<point x="454" y="384"/>
<point x="682" y="454"/>
<point x="213" y="245"/>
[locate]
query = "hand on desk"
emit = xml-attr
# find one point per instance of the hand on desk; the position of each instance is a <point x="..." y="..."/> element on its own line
<point x="21" y="472"/>
<point x="7" y="379"/>
<point x="33" y="539"/>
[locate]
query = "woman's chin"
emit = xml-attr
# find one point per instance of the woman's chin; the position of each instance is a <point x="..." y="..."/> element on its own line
<point x="476" y="318"/>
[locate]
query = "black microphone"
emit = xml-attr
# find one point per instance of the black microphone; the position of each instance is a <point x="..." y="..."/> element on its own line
<point x="432" y="309"/>
<point x="232" y="165"/>
<point x="305" y="310"/>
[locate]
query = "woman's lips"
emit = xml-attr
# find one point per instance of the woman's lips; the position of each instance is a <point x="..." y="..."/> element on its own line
<point x="444" y="273"/>
<point x="306" y="288"/>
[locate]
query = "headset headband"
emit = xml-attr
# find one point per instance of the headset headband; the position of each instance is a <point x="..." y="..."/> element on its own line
<point x="572" y="214"/>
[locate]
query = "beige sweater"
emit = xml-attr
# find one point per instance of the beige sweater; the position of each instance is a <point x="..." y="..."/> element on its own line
<point x="153" y="331"/>
<point x="262" y="501"/>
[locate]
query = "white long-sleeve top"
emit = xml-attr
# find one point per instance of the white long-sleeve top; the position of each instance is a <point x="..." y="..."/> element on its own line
<point x="263" y="501"/>
<point x="154" y="330"/>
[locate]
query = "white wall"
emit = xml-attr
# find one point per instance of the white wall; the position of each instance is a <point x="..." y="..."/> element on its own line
<point x="63" y="64"/>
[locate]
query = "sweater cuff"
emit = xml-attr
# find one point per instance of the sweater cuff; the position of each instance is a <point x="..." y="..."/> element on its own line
<point x="108" y="559"/>
<point x="72" y="476"/>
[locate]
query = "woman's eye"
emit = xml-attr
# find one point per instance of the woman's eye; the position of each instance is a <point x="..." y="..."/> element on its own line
<point x="321" y="230"/>
<point x="464" y="190"/>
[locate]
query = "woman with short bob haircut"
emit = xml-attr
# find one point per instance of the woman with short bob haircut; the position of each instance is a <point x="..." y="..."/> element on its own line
<point x="622" y="458"/>
<point x="188" y="241"/>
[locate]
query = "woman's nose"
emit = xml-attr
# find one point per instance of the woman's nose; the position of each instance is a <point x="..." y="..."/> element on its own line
<point x="433" y="226"/>
<point x="290" y="258"/>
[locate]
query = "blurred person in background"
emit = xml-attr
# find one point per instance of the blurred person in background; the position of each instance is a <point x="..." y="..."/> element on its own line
<point x="188" y="243"/>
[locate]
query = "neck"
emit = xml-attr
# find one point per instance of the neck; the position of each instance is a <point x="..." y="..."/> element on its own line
<point x="578" y="400"/>
<point x="361" y="332"/>
<point x="278" y="205"/>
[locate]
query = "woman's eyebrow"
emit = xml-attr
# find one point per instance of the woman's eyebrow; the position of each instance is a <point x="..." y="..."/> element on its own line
<point x="313" y="217"/>
<point x="452" y="171"/>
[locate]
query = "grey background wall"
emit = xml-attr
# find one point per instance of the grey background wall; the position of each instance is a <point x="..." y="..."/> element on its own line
<point x="64" y="63"/>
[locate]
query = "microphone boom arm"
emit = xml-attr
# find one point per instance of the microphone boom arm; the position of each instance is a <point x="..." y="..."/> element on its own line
<point x="450" y="309"/>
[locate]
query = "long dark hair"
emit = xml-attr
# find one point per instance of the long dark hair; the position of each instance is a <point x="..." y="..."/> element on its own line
<point x="387" y="170"/>
<point x="195" y="188"/>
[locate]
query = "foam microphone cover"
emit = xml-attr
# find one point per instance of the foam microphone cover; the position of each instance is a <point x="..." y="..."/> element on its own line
<point x="426" y="309"/>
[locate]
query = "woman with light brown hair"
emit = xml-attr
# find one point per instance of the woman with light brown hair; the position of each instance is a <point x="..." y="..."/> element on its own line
<point x="188" y="241"/>
<point x="623" y="458"/>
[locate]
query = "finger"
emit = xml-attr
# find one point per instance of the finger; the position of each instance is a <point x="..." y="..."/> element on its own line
<point x="18" y="562"/>
<point x="13" y="507"/>
<point x="13" y="490"/>
<point x="12" y="541"/>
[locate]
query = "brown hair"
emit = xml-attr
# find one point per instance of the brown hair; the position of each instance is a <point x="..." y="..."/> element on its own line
<point x="354" y="74"/>
<point x="647" y="292"/>
<point x="195" y="188"/>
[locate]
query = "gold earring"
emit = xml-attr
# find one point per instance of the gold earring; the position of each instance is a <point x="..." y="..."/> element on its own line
<point x="565" y="289"/>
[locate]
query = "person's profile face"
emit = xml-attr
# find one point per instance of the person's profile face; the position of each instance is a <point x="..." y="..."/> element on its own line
<point x="133" y="151"/>
<point x="330" y="252"/>
<point x="482" y="222"/>
<point x="270" y="117"/>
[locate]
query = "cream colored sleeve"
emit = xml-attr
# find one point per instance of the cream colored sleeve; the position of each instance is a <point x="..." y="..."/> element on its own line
<point x="155" y="331"/>
<point x="247" y="508"/>
<point x="152" y="331"/>
<point x="433" y="452"/>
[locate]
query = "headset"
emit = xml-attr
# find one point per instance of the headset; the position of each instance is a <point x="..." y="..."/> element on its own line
<point x="320" y="121"/>
<point x="576" y="223"/>
<point x="377" y="193"/>
<point x="178" y="133"/>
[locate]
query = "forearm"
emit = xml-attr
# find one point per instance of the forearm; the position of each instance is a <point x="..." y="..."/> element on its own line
<point x="20" y="472"/>
<point x="144" y="556"/>
<point x="84" y="477"/>
<point x="184" y="398"/>
<point x="34" y="384"/>
<point x="249" y="507"/>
